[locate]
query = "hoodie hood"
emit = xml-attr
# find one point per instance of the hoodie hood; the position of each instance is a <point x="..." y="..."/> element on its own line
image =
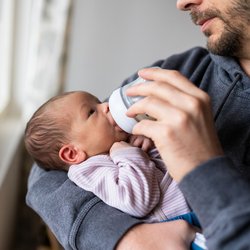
<point x="229" y="69"/>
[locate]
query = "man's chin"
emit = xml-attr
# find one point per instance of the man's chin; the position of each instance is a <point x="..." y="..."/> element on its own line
<point x="227" y="44"/>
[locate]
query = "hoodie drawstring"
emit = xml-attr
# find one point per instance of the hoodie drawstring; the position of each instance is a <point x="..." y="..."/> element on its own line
<point x="237" y="78"/>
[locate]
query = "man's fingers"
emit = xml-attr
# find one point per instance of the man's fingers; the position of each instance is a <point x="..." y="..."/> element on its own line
<point x="146" y="127"/>
<point x="158" y="109"/>
<point x="171" y="77"/>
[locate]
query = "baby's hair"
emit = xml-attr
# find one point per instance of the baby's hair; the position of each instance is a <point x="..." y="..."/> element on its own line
<point x="45" y="134"/>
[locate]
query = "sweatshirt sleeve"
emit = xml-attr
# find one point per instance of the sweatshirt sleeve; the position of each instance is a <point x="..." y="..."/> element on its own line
<point x="217" y="182"/>
<point x="129" y="184"/>
<point x="73" y="214"/>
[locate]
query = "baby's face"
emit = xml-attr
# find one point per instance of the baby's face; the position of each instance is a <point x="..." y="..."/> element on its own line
<point x="93" y="128"/>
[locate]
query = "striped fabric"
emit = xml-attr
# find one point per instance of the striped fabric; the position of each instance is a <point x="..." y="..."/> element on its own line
<point x="133" y="182"/>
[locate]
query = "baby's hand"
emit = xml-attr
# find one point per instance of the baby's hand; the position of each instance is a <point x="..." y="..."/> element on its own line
<point x="141" y="141"/>
<point x="119" y="145"/>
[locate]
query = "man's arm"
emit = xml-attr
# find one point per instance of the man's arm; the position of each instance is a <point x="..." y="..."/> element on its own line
<point x="220" y="197"/>
<point x="74" y="215"/>
<point x="173" y="235"/>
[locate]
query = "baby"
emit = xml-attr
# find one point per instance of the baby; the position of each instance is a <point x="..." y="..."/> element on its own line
<point x="75" y="132"/>
<point x="70" y="128"/>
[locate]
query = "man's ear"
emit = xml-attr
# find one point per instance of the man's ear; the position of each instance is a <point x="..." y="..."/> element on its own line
<point x="71" y="154"/>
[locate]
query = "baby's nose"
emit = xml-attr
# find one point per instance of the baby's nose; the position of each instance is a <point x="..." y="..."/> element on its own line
<point x="105" y="107"/>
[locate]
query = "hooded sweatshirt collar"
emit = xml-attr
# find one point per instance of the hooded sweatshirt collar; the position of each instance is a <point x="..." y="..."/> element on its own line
<point x="229" y="69"/>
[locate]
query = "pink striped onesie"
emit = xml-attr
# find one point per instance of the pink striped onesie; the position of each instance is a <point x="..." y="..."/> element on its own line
<point x="132" y="181"/>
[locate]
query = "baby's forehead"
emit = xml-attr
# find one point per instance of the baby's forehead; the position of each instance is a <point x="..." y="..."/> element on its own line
<point x="81" y="98"/>
<point x="88" y="97"/>
<point x="76" y="96"/>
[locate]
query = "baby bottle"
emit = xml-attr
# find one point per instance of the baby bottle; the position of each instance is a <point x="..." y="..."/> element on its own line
<point x="119" y="103"/>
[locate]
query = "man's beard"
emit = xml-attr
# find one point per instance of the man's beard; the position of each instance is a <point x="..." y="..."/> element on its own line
<point x="230" y="41"/>
<point x="228" y="44"/>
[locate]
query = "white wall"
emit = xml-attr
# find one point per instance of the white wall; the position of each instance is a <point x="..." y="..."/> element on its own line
<point x="111" y="39"/>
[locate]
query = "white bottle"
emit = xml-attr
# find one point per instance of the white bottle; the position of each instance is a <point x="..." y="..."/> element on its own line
<point x="119" y="103"/>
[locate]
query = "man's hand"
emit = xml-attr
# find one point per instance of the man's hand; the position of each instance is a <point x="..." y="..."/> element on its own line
<point x="183" y="130"/>
<point x="173" y="235"/>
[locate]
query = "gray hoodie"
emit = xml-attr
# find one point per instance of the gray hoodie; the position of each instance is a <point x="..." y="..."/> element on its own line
<point x="218" y="190"/>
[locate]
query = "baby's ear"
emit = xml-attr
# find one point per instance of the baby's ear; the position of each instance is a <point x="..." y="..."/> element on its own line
<point x="71" y="154"/>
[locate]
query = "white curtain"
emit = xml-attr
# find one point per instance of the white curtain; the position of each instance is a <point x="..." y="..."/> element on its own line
<point x="45" y="52"/>
<point x="6" y="43"/>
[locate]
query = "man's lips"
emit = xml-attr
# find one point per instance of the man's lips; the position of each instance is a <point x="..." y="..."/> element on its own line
<point x="204" y="23"/>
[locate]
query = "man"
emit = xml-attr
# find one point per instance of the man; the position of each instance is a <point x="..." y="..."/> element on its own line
<point x="212" y="168"/>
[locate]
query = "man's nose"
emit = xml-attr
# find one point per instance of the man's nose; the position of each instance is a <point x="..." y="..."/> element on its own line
<point x="187" y="4"/>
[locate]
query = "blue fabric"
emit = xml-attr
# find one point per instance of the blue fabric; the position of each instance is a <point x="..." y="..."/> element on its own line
<point x="195" y="247"/>
<point x="189" y="217"/>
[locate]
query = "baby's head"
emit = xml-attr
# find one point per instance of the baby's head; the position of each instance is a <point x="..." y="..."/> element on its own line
<point x="70" y="128"/>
